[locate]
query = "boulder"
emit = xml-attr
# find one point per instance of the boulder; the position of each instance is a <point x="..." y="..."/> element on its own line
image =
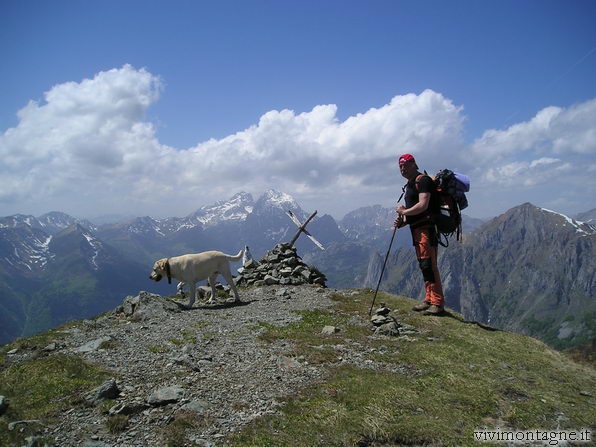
<point x="166" y="395"/>
<point x="93" y="345"/>
<point x="147" y="306"/>
<point x="107" y="390"/>
<point x="330" y="330"/>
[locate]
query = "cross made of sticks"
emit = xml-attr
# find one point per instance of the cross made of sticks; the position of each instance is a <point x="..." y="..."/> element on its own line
<point x="302" y="229"/>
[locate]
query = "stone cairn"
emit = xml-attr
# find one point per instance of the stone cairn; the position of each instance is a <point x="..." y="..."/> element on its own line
<point x="280" y="266"/>
<point x="383" y="323"/>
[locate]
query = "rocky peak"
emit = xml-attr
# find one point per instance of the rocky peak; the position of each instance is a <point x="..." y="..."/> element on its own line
<point x="573" y="224"/>
<point x="17" y="220"/>
<point x="145" y="225"/>
<point x="51" y="223"/>
<point x="237" y="208"/>
<point x="367" y="222"/>
<point x="56" y="221"/>
<point x="528" y="224"/>
<point x="276" y="200"/>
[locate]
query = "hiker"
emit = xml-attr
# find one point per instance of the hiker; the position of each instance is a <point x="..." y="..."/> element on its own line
<point x="417" y="214"/>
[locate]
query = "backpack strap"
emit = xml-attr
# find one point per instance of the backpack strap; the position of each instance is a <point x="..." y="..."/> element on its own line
<point x="442" y="238"/>
<point x="418" y="177"/>
<point x="416" y="181"/>
<point x="403" y="191"/>
<point x="423" y="219"/>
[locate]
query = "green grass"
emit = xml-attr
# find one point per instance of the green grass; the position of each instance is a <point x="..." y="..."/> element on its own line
<point x="43" y="388"/>
<point x="117" y="423"/>
<point x="457" y="378"/>
<point x="158" y="349"/>
<point x="454" y="378"/>
<point x="174" y="434"/>
<point x="188" y="337"/>
<point x="40" y="340"/>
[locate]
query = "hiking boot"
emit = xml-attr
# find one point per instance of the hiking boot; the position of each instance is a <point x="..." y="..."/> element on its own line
<point x="434" y="310"/>
<point x="422" y="306"/>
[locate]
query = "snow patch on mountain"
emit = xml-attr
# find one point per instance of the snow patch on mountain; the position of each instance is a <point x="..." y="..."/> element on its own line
<point x="16" y="220"/>
<point x="144" y="225"/>
<point x="580" y="227"/>
<point x="43" y="254"/>
<point x="32" y="253"/>
<point x="52" y="223"/>
<point x="279" y="200"/>
<point x="96" y="246"/>
<point x="56" y="221"/>
<point x="236" y="209"/>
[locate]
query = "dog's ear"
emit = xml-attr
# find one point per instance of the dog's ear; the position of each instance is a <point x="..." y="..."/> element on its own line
<point x="161" y="264"/>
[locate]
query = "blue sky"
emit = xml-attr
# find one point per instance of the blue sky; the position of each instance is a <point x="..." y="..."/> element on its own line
<point x="159" y="107"/>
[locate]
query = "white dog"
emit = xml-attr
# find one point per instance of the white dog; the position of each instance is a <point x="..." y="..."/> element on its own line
<point x="193" y="268"/>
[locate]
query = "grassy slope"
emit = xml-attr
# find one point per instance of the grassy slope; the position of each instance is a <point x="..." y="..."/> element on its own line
<point x="431" y="388"/>
<point x="44" y="386"/>
<point x="455" y="378"/>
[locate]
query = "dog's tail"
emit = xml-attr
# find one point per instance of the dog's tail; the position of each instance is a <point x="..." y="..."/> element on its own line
<point x="238" y="257"/>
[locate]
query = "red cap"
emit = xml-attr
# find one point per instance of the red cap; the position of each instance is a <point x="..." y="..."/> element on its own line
<point x="406" y="157"/>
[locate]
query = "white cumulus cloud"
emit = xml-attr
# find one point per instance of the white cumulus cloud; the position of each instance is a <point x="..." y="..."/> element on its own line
<point x="86" y="142"/>
<point x="88" y="149"/>
<point x="546" y="160"/>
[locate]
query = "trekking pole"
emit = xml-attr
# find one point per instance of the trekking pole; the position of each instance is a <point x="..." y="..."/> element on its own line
<point x="403" y="192"/>
<point x="382" y="271"/>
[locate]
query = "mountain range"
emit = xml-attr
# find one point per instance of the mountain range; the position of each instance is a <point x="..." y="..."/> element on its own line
<point x="529" y="270"/>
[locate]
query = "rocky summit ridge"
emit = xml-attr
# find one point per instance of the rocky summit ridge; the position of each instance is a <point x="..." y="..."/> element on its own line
<point x="163" y="360"/>
<point x="152" y="373"/>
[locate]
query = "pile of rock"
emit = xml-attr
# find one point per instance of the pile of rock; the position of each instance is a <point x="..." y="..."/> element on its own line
<point x="383" y="323"/>
<point x="282" y="266"/>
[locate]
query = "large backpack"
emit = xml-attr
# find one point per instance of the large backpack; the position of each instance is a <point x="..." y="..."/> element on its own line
<point x="450" y="200"/>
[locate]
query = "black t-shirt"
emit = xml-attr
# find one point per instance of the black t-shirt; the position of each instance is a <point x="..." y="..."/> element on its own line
<point x="413" y="189"/>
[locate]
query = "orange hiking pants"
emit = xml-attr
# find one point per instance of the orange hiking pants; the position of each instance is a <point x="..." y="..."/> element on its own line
<point x="425" y="243"/>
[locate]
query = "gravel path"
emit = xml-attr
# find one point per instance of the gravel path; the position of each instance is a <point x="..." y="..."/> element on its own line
<point x="208" y="357"/>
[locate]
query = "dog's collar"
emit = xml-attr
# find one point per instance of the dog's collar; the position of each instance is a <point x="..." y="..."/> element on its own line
<point x="169" y="275"/>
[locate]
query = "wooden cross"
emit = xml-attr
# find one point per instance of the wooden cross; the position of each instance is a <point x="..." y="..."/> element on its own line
<point x="302" y="229"/>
